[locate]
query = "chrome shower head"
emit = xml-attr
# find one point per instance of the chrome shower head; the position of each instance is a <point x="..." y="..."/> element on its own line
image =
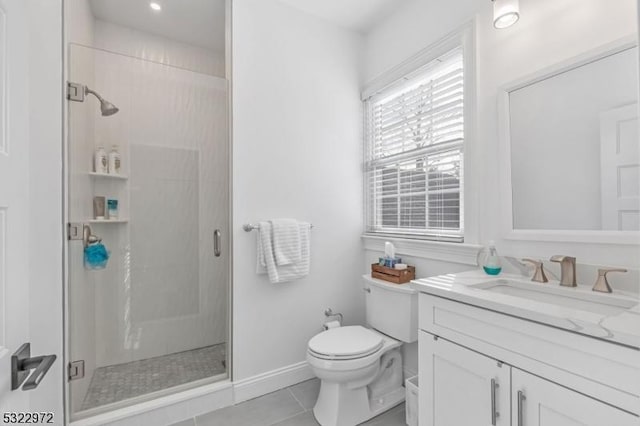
<point x="106" y="107"/>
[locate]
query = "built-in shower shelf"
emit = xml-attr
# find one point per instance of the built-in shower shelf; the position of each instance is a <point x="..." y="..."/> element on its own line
<point x="108" y="221"/>
<point x="107" y="176"/>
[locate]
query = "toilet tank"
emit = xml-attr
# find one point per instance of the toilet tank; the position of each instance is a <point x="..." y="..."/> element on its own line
<point x="392" y="309"/>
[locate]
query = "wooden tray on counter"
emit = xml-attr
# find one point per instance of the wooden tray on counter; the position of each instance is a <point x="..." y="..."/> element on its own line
<point x="396" y="276"/>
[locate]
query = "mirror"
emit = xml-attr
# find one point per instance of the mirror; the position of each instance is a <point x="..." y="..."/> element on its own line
<point x="573" y="132"/>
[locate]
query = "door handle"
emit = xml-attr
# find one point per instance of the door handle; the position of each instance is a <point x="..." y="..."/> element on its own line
<point x="21" y="365"/>
<point x="494" y="413"/>
<point x="217" y="235"/>
<point x="521" y="399"/>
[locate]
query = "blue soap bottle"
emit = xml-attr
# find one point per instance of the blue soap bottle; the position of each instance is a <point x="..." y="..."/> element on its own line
<point x="491" y="263"/>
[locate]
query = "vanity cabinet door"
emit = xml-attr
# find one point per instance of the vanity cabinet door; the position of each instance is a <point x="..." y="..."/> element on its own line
<point x="538" y="402"/>
<point x="461" y="387"/>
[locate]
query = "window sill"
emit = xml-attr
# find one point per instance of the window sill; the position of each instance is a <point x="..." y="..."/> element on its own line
<point x="466" y="254"/>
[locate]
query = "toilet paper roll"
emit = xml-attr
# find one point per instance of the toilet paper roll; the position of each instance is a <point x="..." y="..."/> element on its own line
<point x="331" y="324"/>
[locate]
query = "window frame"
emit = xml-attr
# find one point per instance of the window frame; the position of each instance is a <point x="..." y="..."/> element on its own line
<point x="462" y="37"/>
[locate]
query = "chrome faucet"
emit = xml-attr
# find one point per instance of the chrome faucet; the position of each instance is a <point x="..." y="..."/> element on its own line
<point x="567" y="269"/>
<point x="602" y="284"/>
<point x="539" y="276"/>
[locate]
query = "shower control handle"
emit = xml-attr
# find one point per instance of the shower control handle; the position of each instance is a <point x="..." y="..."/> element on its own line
<point x="217" y="234"/>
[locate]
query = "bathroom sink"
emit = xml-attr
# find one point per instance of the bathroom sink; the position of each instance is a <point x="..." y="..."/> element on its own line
<point x="569" y="297"/>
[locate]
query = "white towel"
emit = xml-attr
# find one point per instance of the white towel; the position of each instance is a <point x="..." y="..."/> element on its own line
<point x="266" y="258"/>
<point x="286" y="241"/>
<point x="264" y="228"/>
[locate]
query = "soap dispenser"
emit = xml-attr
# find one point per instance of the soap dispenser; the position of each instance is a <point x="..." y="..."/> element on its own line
<point x="491" y="262"/>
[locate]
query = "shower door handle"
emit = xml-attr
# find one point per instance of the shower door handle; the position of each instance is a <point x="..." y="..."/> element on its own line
<point x="217" y="235"/>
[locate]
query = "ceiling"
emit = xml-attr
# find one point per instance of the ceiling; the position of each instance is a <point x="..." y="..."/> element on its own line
<point x="196" y="22"/>
<point x="202" y="22"/>
<point x="356" y="15"/>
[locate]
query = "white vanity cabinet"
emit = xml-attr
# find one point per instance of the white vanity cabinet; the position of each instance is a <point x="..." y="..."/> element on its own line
<point x="461" y="387"/>
<point x="543" y="403"/>
<point x="480" y="367"/>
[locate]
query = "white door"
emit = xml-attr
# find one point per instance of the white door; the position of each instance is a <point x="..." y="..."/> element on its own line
<point x="538" y="402"/>
<point x="620" y="169"/>
<point x="461" y="387"/>
<point x="31" y="204"/>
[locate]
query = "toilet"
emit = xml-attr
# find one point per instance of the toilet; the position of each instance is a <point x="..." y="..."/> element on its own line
<point x="360" y="368"/>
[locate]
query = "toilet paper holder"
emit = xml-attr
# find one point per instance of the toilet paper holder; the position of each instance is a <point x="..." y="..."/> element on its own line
<point x="329" y="313"/>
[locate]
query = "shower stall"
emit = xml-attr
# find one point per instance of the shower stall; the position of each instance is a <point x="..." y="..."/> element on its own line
<point x="155" y="319"/>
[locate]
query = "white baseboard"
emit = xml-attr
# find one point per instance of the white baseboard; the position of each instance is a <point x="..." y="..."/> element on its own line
<point x="271" y="381"/>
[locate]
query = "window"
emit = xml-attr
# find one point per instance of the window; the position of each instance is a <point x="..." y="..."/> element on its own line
<point x="414" y="153"/>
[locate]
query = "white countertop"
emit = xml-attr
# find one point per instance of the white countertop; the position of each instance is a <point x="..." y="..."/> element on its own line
<point x="622" y="328"/>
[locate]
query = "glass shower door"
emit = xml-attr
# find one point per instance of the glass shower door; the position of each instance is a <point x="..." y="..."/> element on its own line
<point x="155" y="319"/>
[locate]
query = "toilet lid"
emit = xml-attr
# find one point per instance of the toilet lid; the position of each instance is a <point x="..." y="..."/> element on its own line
<point x="345" y="343"/>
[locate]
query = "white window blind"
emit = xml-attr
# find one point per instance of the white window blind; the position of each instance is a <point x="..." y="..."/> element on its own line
<point x="414" y="153"/>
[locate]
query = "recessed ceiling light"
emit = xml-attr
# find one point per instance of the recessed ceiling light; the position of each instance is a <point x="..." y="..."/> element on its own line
<point x="155" y="6"/>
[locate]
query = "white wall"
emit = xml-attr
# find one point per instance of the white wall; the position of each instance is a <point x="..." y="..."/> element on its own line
<point x="414" y="26"/>
<point x="297" y="153"/>
<point x="131" y="42"/>
<point x="79" y="22"/>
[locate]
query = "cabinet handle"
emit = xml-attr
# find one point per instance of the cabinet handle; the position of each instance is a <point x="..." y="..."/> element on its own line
<point x="494" y="413"/>
<point x="216" y="243"/>
<point x="521" y="399"/>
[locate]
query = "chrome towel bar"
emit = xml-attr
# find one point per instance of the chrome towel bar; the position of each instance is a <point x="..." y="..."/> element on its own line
<point x="248" y="227"/>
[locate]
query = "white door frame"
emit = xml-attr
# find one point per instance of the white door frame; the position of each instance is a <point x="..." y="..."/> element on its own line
<point x="33" y="80"/>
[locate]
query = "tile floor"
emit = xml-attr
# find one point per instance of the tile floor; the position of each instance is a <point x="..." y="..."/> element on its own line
<point x="123" y="381"/>
<point x="287" y="407"/>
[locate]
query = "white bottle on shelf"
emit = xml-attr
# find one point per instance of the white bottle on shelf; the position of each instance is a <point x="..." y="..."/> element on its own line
<point x="114" y="161"/>
<point x="100" y="161"/>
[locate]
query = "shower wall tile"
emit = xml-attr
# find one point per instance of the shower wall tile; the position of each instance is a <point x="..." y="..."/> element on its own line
<point x="164" y="292"/>
<point x="131" y="42"/>
<point x="164" y="232"/>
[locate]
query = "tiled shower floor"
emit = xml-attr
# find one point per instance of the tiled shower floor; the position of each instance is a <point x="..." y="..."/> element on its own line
<point x="123" y="381"/>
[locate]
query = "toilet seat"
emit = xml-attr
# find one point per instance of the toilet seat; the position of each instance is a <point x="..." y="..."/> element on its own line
<point x="345" y="343"/>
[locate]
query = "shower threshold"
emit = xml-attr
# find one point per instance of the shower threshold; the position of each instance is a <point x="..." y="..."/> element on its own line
<point x="121" y="382"/>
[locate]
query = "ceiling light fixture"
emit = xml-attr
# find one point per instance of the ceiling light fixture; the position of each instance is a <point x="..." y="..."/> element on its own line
<point x="155" y="6"/>
<point x="505" y="13"/>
